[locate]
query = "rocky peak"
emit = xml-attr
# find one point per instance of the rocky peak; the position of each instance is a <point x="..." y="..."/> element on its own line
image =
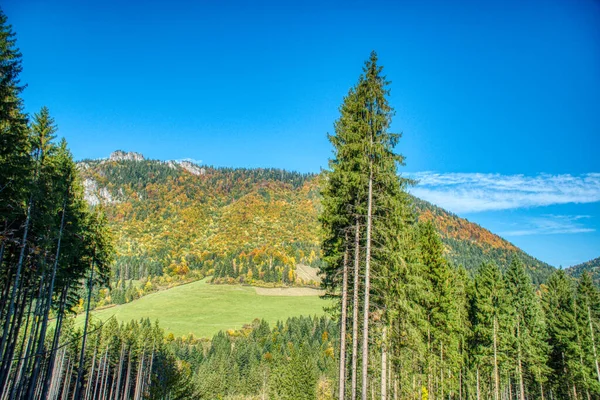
<point x="191" y="168"/>
<point x="121" y="155"/>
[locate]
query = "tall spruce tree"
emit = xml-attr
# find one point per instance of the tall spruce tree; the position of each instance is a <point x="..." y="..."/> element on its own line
<point x="364" y="203"/>
<point x="528" y="347"/>
<point x="490" y="327"/>
<point x="443" y="316"/>
<point x="564" y="360"/>
<point x="588" y="317"/>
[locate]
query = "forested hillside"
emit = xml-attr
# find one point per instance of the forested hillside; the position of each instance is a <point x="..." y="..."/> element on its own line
<point x="468" y="244"/>
<point x="247" y="225"/>
<point x="172" y="218"/>
<point x="592" y="266"/>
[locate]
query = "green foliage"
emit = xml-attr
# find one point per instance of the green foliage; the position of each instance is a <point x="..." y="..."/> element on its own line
<point x="592" y="267"/>
<point x="283" y="362"/>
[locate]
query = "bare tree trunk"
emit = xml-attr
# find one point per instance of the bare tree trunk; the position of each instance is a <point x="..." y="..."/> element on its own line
<point x="520" y="364"/>
<point x="126" y="389"/>
<point x="365" y="346"/>
<point x="79" y="382"/>
<point x="67" y="386"/>
<point x="355" y="306"/>
<point x="593" y="342"/>
<point x="496" y="376"/>
<point x="91" y="378"/>
<point x="13" y="296"/>
<point x="441" y="371"/>
<point x="121" y="358"/>
<point x="21" y="363"/>
<point x="343" y="318"/>
<point x="42" y="338"/>
<point x="57" y="330"/>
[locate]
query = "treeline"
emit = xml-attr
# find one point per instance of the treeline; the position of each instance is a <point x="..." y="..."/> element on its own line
<point x="292" y="360"/>
<point x="592" y="266"/>
<point x="122" y="361"/>
<point x="411" y="325"/>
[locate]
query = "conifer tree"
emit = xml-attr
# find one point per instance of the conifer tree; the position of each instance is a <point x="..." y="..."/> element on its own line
<point x="490" y="325"/>
<point x="559" y="307"/>
<point x="442" y="310"/>
<point x="364" y="201"/>
<point x="528" y="347"/>
<point x="588" y="316"/>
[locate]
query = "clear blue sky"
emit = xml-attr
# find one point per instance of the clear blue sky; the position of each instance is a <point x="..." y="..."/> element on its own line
<point x="497" y="88"/>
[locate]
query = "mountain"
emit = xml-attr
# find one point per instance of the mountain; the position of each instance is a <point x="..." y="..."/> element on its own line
<point x="238" y="224"/>
<point x="592" y="266"/>
<point x="470" y="244"/>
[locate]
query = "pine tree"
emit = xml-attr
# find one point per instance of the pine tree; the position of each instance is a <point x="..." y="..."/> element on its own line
<point x="559" y="307"/>
<point x="588" y="317"/>
<point x="364" y="202"/>
<point x="490" y="324"/>
<point x="528" y="346"/>
<point x="442" y="310"/>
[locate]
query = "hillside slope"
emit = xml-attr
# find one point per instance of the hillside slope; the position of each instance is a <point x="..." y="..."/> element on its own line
<point x="245" y="225"/>
<point x="204" y="309"/>
<point x="592" y="266"/>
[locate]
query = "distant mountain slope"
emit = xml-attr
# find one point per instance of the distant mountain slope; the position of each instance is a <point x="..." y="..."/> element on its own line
<point x="592" y="266"/>
<point x="469" y="244"/>
<point x="249" y="225"/>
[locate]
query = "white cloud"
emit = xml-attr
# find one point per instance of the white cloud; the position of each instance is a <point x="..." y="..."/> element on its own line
<point x="476" y="192"/>
<point x="550" y="225"/>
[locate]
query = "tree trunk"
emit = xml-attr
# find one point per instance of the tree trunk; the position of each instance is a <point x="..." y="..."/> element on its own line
<point x="593" y="342"/>
<point x="13" y="295"/>
<point x="365" y="347"/>
<point x="441" y="371"/>
<point x="79" y="382"/>
<point x="57" y="330"/>
<point x="355" y="306"/>
<point x="343" y="318"/>
<point x="42" y="338"/>
<point x="520" y="365"/>
<point x="496" y="376"/>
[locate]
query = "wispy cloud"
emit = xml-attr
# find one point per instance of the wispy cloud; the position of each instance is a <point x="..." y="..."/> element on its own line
<point x="475" y="192"/>
<point x="550" y="225"/>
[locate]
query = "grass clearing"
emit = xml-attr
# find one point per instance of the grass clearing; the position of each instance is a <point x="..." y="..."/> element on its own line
<point x="204" y="309"/>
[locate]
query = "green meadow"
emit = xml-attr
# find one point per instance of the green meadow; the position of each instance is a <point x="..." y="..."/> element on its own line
<point x="204" y="309"/>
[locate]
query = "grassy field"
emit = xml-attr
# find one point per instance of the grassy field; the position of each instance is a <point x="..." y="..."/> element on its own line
<point x="204" y="309"/>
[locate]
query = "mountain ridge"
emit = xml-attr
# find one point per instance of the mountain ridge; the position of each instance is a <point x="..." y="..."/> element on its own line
<point x="243" y="224"/>
<point x="592" y="266"/>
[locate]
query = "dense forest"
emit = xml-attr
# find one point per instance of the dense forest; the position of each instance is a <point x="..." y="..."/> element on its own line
<point x="413" y="325"/>
<point x="592" y="267"/>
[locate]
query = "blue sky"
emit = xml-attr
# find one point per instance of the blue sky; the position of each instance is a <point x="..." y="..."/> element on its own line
<point x="499" y="102"/>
